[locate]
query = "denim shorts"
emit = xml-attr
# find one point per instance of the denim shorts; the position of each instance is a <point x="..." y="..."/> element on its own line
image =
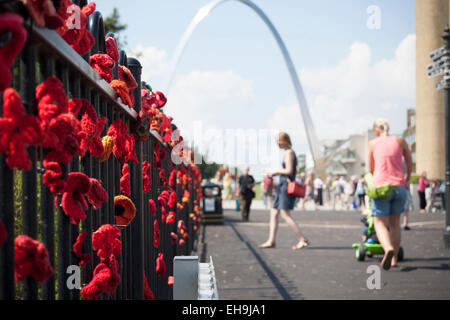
<point x="394" y="204"/>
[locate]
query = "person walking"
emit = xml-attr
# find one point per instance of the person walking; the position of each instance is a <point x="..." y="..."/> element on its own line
<point x="336" y="188"/>
<point x="284" y="202"/>
<point x="310" y="192"/>
<point x="423" y="184"/>
<point x="245" y="187"/>
<point x="227" y="181"/>
<point x="385" y="160"/>
<point x="360" y="193"/>
<point x="318" y="186"/>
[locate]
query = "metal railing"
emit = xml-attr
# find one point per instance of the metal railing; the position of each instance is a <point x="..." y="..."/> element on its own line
<point x="47" y="54"/>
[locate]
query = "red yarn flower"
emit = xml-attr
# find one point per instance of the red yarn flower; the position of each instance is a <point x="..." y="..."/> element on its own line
<point x="103" y="64"/>
<point x="111" y="48"/>
<point x="160" y="265"/>
<point x="162" y="177"/>
<point x="122" y="91"/>
<point x="172" y="199"/>
<point x="158" y="155"/>
<point x="73" y="201"/>
<point x="78" y="249"/>
<point x="91" y="127"/>
<point x="170" y="281"/>
<point x="170" y="219"/>
<point x="172" y="177"/>
<point x="52" y="177"/>
<point x="160" y="99"/>
<point x="181" y="242"/>
<point x="3" y="234"/>
<point x="125" y="180"/>
<point x="105" y="279"/>
<point x="146" y="176"/>
<point x="124" y="210"/>
<point x="31" y="259"/>
<point x="156" y="234"/>
<point x="17" y="131"/>
<point x="173" y="238"/>
<point x="148" y="293"/>
<point x="43" y="13"/>
<point x="126" y="76"/>
<point x="106" y="242"/>
<point x="97" y="195"/>
<point x="151" y="207"/>
<point x="124" y="142"/>
<point x="10" y="22"/>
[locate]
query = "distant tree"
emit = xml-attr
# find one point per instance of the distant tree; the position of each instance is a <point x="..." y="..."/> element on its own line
<point x="112" y="24"/>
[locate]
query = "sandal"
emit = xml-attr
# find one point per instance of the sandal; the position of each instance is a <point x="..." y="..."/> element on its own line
<point x="387" y="260"/>
<point x="301" y="244"/>
<point x="266" y="245"/>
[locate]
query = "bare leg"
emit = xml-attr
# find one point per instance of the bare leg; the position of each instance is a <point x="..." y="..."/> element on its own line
<point x="302" y="241"/>
<point x="384" y="236"/>
<point x="395" y="235"/>
<point x="274" y="217"/>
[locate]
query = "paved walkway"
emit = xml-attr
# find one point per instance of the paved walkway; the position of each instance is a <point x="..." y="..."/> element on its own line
<point x="328" y="268"/>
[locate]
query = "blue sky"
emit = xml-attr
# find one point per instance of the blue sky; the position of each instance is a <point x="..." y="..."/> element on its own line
<point x="232" y="74"/>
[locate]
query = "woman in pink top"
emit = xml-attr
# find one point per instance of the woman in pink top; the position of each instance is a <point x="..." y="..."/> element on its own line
<point x="385" y="158"/>
<point x="423" y="184"/>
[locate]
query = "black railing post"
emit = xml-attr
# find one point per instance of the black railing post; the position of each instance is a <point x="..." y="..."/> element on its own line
<point x="137" y="225"/>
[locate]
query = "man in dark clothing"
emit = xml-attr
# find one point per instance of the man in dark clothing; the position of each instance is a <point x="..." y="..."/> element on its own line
<point x="244" y="190"/>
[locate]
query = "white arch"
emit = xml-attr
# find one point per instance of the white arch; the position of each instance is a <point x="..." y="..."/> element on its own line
<point x="202" y="14"/>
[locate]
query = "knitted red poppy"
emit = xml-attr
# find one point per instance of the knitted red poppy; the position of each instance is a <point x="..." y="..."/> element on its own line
<point x="111" y="48"/>
<point x="43" y="13"/>
<point x="10" y="22"/>
<point x="80" y="39"/>
<point x="166" y="129"/>
<point x="160" y="265"/>
<point x="123" y="142"/>
<point x="181" y="242"/>
<point x="151" y="207"/>
<point x="173" y="238"/>
<point x="105" y="279"/>
<point x="108" y="145"/>
<point x="91" y="127"/>
<point x="126" y="76"/>
<point x="31" y="259"/>
<point x="156" y="234"/>
<point x="146" y="101"/>
<point x="78" y="249"/>
<point x="17" y="131"/>
<point x="160" y="99"/>
<point x="162" y="201"/>
<point x="172" y="198"/>
<point x="124" y="210"/>
<point x="172" y="177"/>
<point x="186" y="196"/>
<point x="97" y="195"/>
<point x="146" y="176"/>
<point x="3" y="234"/>
<point x="148" y="293"/>
<point x="103" y="64"/>
<point x="125" y="180"/>
<point x="170" y="281"/>
<point x="170" y="219"/>
<point x="162" y="177"/>
<point x="106" y="242"/>
<point x="73" y="201"/>
<point x="122" y="91"/>
<point x="52" y="177"/>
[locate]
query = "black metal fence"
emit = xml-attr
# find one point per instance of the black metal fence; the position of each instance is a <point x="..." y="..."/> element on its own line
<point x="47" y="54"/>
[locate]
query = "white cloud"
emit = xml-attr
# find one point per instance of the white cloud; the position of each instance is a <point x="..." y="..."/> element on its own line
<point x="154" y="64"/>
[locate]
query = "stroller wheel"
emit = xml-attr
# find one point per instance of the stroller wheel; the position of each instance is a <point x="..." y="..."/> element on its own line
<point x="360" y="253"/>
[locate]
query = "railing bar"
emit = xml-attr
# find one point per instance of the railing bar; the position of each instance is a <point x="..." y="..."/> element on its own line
<point x="29" y="181"/>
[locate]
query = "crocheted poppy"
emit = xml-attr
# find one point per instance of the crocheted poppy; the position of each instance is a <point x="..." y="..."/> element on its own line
<point x="97" y="195"/>
<point x="31" y="259"/>
<point x="106" y="242"/>
<point x="52" y="177"/>
<point x="105" y="279"/>
<point x="122" y="91"/>
<point x="125" y="180"/>
<point x="91" y="127"/>
<point x="141" y="128"/>
<point x="172" y="199"/>
<point x="103" y="64"/>
<point x="124" y="210"/>
<point x="162" y="200"/>
<point x="111" y="48"/>
<point x="172" y="177"/>
<point x="162" y="177"/>
<point x="43" y="13"/>
<point x="170" y="281"/>
<point x="78" y="249"/>
<point x="156" y="234"/>
<point x="3" y="234"/>
<point x="80" y="39"/>
<point x="151" y="207"/>
<point x="160" y="265"/>
<point x="148" y="293"/>
<point x="181" y="242"/>
<point x="146" y="176"/>
<point x="180" y="206"/>
<point x="11" y="29"/>
<point x="173" y="238"/>
<point x="170" y="219"/>
<point x="124" y="143"/>
<point x="108" y="144"/>
<point x="160" y="99"/>
<point x="17" y="131"/>
<point x="73" y="201"/>
<point x="126" y="76"/>
<point x="186" y="196"/>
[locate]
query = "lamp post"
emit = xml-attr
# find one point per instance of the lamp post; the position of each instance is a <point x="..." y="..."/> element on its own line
<point x="446" y="37"/>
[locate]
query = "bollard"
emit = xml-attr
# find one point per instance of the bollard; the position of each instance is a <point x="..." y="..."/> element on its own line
<point x="185" y="277"/>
